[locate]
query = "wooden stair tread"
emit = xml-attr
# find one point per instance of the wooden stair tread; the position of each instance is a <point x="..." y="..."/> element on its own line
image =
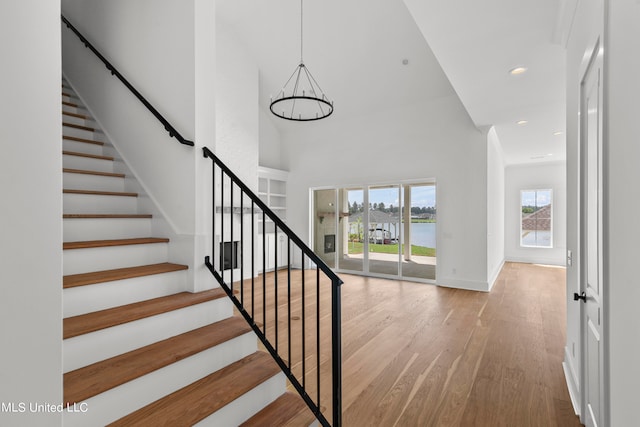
<point x="98" y="320"/>
<point x="197" y="401"/>
<point x="100" y="193"/>
<point x="91" y="156"/>
<point x="106" y="216"/>
<point x="76" y="115"/>
<point x="70" y="104"/>
<point x="72" y="125"/>
<point x="99" y="377"/>
<point x="289" y="410"/>
<point x="73" y="280"/>
<point x="87" y="141"/>
<point x="86" y="172"/>
<point x="88" y="244"/>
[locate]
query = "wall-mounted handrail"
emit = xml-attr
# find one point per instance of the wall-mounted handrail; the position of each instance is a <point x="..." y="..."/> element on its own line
<point x="168" y="127"/>
<point x="271" y="324"/>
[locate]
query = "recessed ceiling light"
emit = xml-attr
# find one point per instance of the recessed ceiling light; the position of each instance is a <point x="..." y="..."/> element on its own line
<point x="558" y="133"/>
<point x="405" y="61"/>
<point x="517" y="70"/>
<point x="522" y="122"/>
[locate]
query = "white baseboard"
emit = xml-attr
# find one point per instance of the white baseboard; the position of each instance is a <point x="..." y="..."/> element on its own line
<point x="572" y="381"/>
<point x="494" y="276"/>
<point x="536" y="260"/>
<point x="470" y="285"/>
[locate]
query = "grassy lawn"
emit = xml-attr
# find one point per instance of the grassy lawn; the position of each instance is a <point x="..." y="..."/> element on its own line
<point x="358" y="248"/>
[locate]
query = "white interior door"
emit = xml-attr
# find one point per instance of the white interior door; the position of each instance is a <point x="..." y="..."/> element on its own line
<point x="592" y="241"/>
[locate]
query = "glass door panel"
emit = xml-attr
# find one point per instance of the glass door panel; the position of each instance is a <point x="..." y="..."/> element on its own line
<point x="351" y="229"/>
<point x="419" y="213"/>
<point x="325" y="228"/>
<point x="384" y="229"/>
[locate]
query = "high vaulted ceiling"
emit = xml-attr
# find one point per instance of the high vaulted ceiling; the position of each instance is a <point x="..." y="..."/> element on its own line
<point x="356" y="48"/>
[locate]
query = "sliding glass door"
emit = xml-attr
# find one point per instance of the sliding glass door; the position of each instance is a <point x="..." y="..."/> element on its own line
<point x="381" y="230"/>
<point x="419" y="231"/>
<point x="352" y="231"/>
<point x="384" y="230"/>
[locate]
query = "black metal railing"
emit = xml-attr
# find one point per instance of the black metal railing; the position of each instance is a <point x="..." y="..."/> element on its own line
<point x="287" y="294"/>
<point x="168" y="127"/>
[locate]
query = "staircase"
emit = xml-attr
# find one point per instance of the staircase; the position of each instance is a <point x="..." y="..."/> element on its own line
<point x="138" y="348"/>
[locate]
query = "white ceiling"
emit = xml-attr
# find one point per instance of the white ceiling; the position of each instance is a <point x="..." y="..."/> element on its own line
<point x="355" y="50"/>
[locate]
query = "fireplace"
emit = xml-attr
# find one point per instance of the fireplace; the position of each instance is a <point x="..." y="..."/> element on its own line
<point x="229" y="255"/>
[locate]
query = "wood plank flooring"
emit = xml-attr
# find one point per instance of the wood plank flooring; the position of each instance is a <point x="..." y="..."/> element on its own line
<point x="423" y="355"/>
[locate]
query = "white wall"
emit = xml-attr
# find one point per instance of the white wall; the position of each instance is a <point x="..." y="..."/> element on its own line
<point x="495" y="206"/>
<point x="535" y="177"/>
<point x="237" y="115"/>
<point x="430" y="140"/>
<point x="205" y="133"/>
<point x="621" y="136"/>
<point x="270" y="142"/>
<point x="31" y="215"/>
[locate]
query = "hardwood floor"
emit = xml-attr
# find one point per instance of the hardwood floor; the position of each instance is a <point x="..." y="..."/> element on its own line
<point x="422" y="355"/>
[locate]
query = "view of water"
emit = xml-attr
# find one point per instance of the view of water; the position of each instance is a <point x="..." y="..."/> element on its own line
<point x="423" y="234"/>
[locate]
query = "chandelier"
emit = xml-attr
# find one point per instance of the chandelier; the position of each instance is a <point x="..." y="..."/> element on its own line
<point x="301" y="98"/>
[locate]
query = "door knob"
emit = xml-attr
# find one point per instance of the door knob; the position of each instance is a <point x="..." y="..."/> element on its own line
<point x="582" y="296"/>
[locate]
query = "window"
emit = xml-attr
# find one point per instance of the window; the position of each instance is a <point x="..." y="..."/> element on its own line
<point x="536" y="218"/>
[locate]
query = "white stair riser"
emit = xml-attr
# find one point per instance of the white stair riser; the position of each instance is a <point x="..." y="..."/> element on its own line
<point x="77" y="110"/>
<point x="94" y="204"/>
<point x="87" y="163"/>
<point x="80" y="181"/>
<point x="245" y="406"/>
<point x="76" y="261"/>
<point x="70" y="98"/>
<point x="100" y="345"/>
<point x="80" y="133"/>
<point x="100" y="296"/>
<point x="78" y="121"/>
<point x="120" y="401"/>
<point x="82" y="147"/>
<point x="79" y="230"/>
